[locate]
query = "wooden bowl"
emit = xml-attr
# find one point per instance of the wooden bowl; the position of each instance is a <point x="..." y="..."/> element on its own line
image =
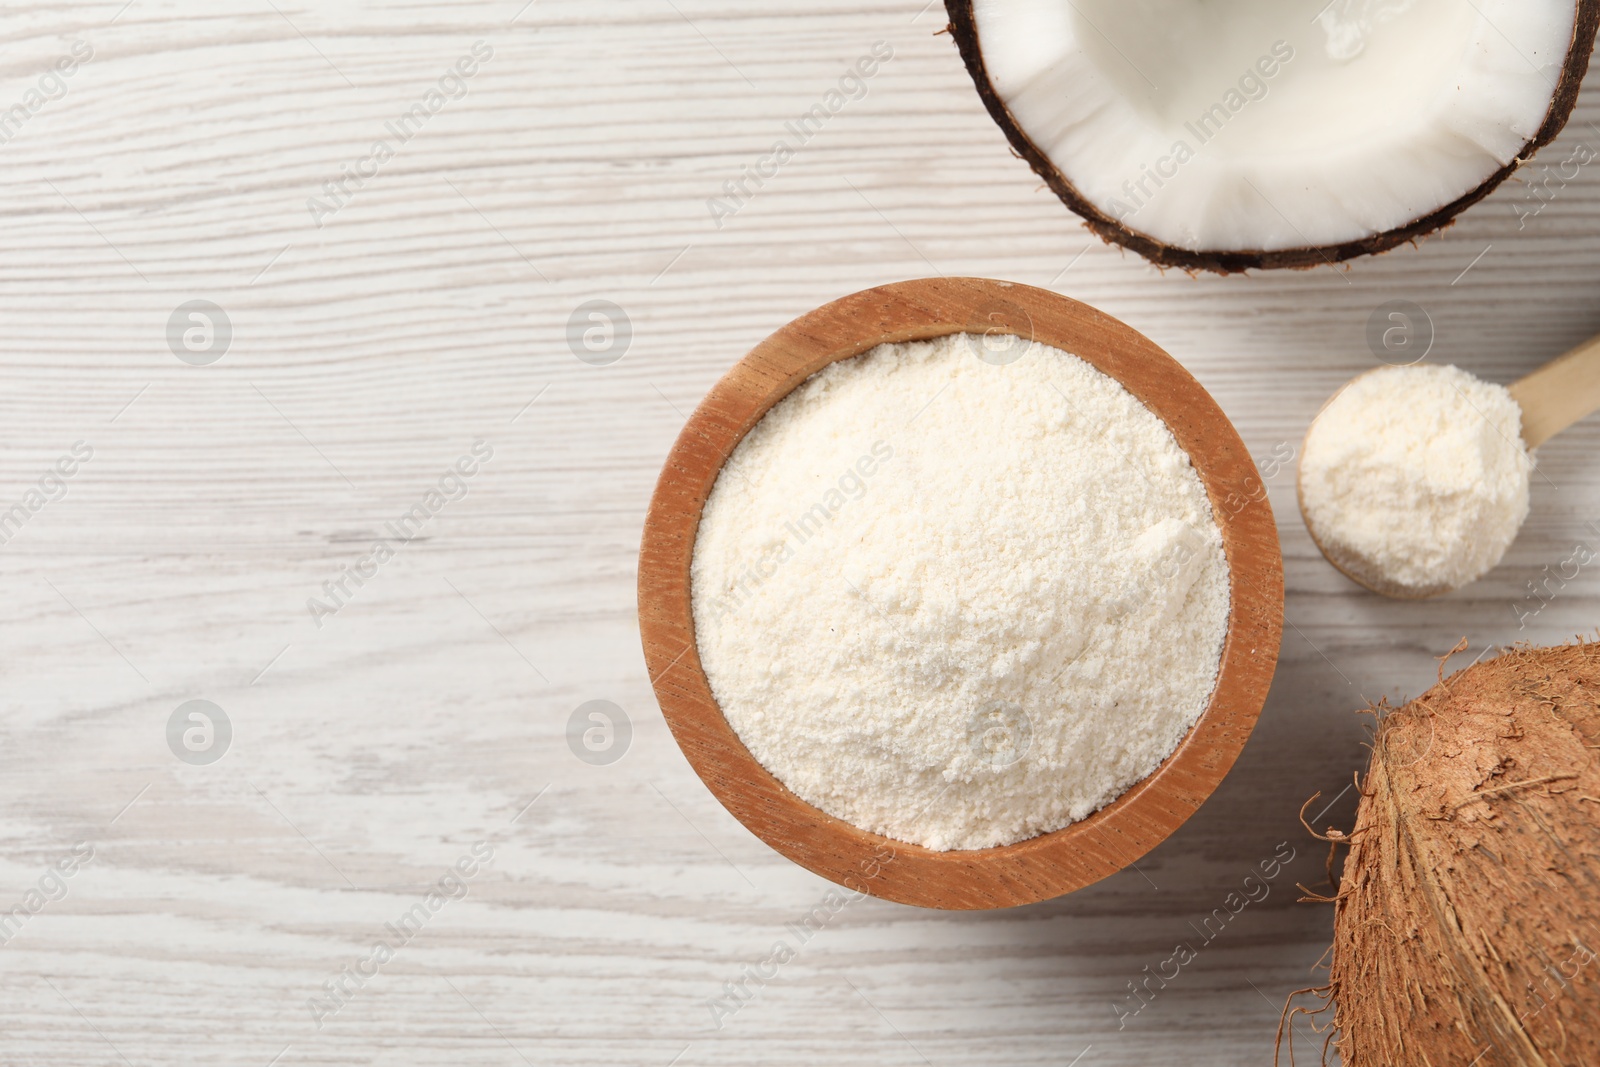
<point x="1050" y="864"/>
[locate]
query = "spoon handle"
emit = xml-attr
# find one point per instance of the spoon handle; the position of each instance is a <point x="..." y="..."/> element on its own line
<point x="1559" y="393"/>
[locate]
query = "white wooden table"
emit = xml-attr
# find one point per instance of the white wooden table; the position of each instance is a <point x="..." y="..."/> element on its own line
<point x="373" y="341"/>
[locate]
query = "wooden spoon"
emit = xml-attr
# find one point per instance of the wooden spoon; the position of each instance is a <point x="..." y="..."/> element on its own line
<point x="1050" y="864"/>
<point x="1558" y="395"/>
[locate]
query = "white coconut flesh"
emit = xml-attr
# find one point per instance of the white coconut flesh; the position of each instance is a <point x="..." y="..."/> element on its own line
<point x="1262" y="125"/>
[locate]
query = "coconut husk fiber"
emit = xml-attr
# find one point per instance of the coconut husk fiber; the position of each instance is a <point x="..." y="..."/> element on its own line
<point x="1468" y="915"/>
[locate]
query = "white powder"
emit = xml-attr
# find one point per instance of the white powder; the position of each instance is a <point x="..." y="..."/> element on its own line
<point x="1415" y="479"/>
<point x="956" y="603"/>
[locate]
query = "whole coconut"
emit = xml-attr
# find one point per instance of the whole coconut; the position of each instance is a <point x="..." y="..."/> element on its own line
<point x="1468" y="916"/>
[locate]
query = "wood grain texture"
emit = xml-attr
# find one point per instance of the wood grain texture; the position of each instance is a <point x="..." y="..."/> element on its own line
<point x="1048" y="865"/>
<point x="369" y="754"/>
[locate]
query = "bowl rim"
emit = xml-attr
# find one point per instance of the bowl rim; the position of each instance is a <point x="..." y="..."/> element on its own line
<point x="1047" y="865"/>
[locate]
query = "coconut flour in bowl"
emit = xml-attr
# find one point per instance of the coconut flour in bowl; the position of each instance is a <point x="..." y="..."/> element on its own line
<point x="960" y="603"/>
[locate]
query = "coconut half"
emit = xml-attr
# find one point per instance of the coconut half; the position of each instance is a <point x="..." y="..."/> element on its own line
<point x="1230" y="134"/>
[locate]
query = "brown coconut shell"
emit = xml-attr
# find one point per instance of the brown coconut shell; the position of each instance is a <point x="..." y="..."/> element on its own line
<point x="963" y="28"/>
<point x="1467" y="926"/>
